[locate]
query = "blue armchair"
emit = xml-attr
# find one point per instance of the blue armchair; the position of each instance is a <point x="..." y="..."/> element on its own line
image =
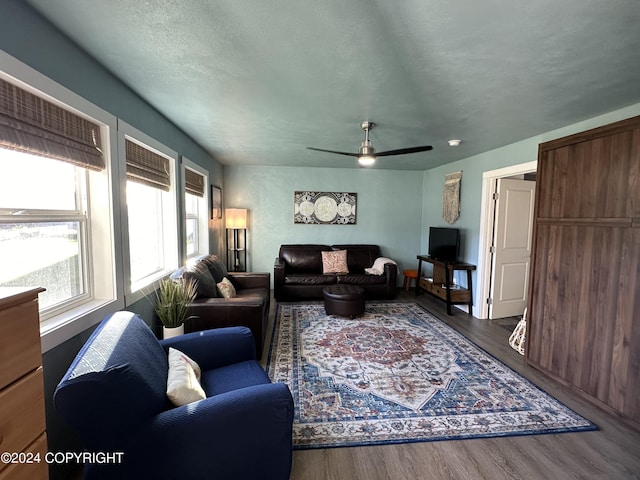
<point x="114" y="395"/>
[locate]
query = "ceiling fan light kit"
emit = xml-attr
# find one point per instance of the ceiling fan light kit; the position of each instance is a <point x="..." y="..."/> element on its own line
<point x="367" y="154"/>
<point x="366" y="160"/>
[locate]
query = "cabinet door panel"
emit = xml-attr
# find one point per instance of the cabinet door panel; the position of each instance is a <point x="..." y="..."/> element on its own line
<point x="39" y="470"/>
<point x="595" y="180"/>
<point x="19" y="353"/>
<point x="576" y="316"/>
<point x="22" y="413"/>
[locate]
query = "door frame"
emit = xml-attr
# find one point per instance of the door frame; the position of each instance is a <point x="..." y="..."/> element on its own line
<point x="487" y="209"/>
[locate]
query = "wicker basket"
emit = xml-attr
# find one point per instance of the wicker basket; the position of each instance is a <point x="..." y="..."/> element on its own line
<point x="517" y="338"/>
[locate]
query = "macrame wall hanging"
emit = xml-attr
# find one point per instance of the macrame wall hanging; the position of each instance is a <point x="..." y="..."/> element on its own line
<point x="451" y="197"/>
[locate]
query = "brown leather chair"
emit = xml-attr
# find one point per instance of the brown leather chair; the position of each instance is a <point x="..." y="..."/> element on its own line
<point x="249" y="308"/>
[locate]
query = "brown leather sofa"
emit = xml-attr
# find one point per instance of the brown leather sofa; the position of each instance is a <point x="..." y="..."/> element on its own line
<point x="297" y="272"/>
<point x="249" y="308"/>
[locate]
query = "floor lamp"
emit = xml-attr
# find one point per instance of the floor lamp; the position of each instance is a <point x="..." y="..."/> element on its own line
<point x="236" y="224"/>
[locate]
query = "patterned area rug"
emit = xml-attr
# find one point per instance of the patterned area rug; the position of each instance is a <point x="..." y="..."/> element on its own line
<point x="397" y="374"/>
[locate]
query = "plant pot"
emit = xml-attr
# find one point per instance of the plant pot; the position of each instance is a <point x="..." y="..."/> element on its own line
<point x="168" y="332"/>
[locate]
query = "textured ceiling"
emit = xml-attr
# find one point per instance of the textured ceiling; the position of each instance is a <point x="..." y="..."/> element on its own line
<point x="255" y="82"/>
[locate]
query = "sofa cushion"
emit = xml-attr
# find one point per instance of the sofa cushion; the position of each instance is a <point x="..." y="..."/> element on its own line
<point x="335" y="262"/>
<point x="255" y="293"/>
<point x="232" y="377"/>
<point x="216" y="267"/>
<point x="359" y="256"/>
<point x="310" y="279"/>
<point x="362" y="279"/>
<point x="303" y="258"/>
<point x="200" y="275"/>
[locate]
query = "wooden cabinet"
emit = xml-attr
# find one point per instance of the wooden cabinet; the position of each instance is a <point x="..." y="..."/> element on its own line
<point x="584" y="303"/>
<point x="441" y="283"/>
<point x="22" y="416"/>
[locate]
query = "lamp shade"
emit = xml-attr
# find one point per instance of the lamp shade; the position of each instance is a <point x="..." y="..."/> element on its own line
<point x="236" y="217"/>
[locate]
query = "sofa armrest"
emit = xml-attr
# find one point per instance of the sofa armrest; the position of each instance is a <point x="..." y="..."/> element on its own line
<point x="218" y="312"/>
<point x="278" y="268"/>
<point x="278" y="277"/>
<point x="391" y="272"/>
<point x="247" y="280"/>
<point x="215" y="348"/>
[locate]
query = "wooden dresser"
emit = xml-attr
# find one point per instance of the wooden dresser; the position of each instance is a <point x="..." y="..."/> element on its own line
<point x="22" y="415"/>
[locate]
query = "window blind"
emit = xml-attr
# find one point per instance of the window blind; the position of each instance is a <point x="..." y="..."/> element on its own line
<point x="194" y="183"/>
<point x="31" y="124"/>
<point x="147" y="167"/>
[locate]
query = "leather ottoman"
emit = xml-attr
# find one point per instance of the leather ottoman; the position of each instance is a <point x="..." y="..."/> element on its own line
<point x="344" y="300"/>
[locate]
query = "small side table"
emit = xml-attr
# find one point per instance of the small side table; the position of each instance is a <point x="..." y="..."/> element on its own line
<point x="408" y="276"/>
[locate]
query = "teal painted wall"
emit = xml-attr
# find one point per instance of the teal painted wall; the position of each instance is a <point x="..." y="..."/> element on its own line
<point x="389" y="209"/>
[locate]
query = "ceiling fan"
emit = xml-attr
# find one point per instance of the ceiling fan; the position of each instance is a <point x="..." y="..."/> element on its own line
<point x="367" y="154"/>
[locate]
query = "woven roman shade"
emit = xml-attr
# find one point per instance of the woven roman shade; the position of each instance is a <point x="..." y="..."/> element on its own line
<point x="147" y="167"/>
<point x="33" y="125"/>
<point x="193" y="183"/>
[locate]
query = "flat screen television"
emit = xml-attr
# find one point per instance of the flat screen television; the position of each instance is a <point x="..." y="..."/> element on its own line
<point x="444" y="243"/>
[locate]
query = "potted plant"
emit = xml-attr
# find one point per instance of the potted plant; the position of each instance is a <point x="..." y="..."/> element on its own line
<point x="172" y="305"/>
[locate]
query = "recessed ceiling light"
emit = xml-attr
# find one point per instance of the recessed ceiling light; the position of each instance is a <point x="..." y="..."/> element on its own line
<point x="454" y="142"/>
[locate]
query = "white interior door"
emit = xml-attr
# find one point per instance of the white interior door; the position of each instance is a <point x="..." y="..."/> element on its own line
<point x="513" y="233"/>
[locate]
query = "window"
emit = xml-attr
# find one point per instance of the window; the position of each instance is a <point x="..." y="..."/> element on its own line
<point x="192" y="234"/>
<point x="44" y="227"/>
<point x="196" y="209"/>
<point x="152" y="227"/>
<point x="54" y="192"/>
<point x="145" y="230"/>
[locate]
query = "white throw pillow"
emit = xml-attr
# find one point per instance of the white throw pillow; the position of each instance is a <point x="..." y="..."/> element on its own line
<point x="183" y="381"/>
<point x="226" y="288"/>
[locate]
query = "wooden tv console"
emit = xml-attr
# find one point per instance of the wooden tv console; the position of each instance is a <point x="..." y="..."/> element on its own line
<point x="441" y="284"/>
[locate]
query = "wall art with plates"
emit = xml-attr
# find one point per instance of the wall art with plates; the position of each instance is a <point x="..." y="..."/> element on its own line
<point x="328" y="208"/>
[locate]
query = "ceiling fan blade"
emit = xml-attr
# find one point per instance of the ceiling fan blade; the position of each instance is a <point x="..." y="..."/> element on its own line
<point x="404" y="151"/>
<point x="334" y="151"/>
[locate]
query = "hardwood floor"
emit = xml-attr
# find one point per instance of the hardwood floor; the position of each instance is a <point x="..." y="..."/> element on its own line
<point x="612" y="452"/>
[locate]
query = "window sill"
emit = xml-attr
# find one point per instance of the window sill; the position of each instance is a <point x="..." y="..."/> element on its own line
<point x="57" y="330"/>
<point x="146" y="289"/>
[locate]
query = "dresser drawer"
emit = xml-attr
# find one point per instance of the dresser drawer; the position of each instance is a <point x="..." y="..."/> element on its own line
<point x="22" y="413"/>
<point x="19" y="341"/>
<point x="39" y="470"/>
